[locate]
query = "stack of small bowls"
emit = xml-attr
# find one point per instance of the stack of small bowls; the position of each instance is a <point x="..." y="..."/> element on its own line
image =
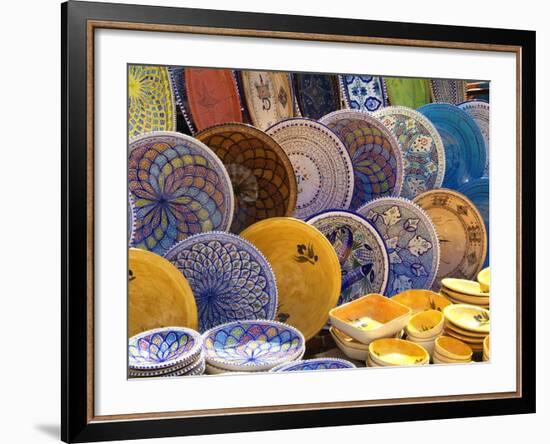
<point x="352" y="348"/>
<point x="449" y="350"/>
<point x="396" y="352"/>
<point x="462" y="291"/>
<point x="424" y="327"/>
<point x="486" y="348"/>
<point x="170" y="351"/>
<point x="467" y="323"/>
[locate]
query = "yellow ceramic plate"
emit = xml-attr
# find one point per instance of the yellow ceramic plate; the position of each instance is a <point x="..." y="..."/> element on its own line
<point x="306" y="267"/>
<point x="486" y="346"/>
<point x="463" y="286"/>
<point x="467" y="334"/>
<point x="420" y="300"/>
<point x="461" y="298"/>
<point x="391" y="351"/>
<point x="425" y="324"/>
<point x="158" y="294"/>
<point x="468" y="317"/>
<point x="452" y="349"/>
<point x="484" y="279"/>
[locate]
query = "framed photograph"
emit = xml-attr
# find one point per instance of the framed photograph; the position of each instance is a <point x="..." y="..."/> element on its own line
<point x="275" y="221"/>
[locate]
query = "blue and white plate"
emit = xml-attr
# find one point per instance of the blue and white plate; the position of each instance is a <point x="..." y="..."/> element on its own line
<point x="361" y="252"/>
<point x="230" y="278"/>
<point x="252" y="345"/>
<point x="314" y="365"/>
<point x="316" y="94"/>
<point x="480" y="111"/>
<point x="465" y="151"/>
<point x="363" y="92"/>
<point x="411" y="241"/>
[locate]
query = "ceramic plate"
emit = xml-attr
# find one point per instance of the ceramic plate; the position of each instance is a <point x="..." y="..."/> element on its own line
<point x="231" y="280"/>
<point x="374" y="151"/>
<point x="180" y="368"/>
<point x="179" y="186"/>
<point x="468" y="317"/>
<point x="421" y="299"/>
<point x="411" y="93"/>
<point x="268" y="96"/>
<point x="306" y="268"/>
<point x="477" y="191"/>
<point x="151" y="105"/>
<point x="448" y="91"/>
<point x="361" y="252"/>
<point x="480" y="110"/>
<point x="463" y="286"/>
<point x="465" y="152"/>
<point x="158" y="294"/>
<point x="131" y="222"/>
<point x="391" y="351"/>
<point x="411" y="241"/>
<point x="322" y="166"/>
<point x="462" y="235"/>
<point x="212" y="96"/>
<point x="421" y="146"/>
<point x="316" y="94"/>
<point x="313" y="365"/>
<point x="363" y="92"/>
<point x="177" y="77"/>
<point x="252" y="345"/>
<point x="261" y="173"/>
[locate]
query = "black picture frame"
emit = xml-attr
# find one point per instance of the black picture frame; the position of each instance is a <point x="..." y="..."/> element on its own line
<point x="77" y="424"/>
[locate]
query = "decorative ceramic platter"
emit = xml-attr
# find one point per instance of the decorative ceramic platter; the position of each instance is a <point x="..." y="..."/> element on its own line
<point x="421" y="146"/>
<point x="158" y="294"/>
<point x="268" y="96"/>
<point x="231" y="280"/>
<point x="411" y="93"/>
<point x="163" y="347"/>
<point x="306" y="267"/>
<point x="314" y="365"/>
<point x="374" y="152"/>
<point x="252" y="345"/>
<point x="179" y="186"/>
<point x="131" y="222"/>
<point x="462" y="235"/>
<point x="465" y="152"/>
<point x="361" y="252"/>
<point x="261" y="173"/>
<point x="468" y="317"/>
<point x="480" y="112"/>
<point x="316" y="94"/>
<point x="448" y="91"/>
<point x="180" y="368"/>
<point x="151" y="105"/>
<point x="177" y="77"/>
<point x="411" y="242"/>
<point x="212" y="96"/>
<point x="322" y="166"/>
<point x="363" y="92"/>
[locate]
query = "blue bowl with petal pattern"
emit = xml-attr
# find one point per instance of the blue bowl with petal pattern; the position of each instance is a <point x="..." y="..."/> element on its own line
<point x="314" y="365"/>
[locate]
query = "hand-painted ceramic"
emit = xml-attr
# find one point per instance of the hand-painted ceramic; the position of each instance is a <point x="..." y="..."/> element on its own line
<point x="468" y="317"/>
<point x="151" y="105"/>
<point x="322" y="166"/>
<point x="268" y="96"/>
<point x="361" y="251"/>
<point x="231" y="280"/>
<point x="479" y="110"/>
<point x="465" y="152"/>
<point x="374" y="151"/>
<point x="252" y="345"/>
<point x="261" y="173"/>
<point x="131" y="222"/>
<point x="391" y="351"/>
<point x="306" y="267"/>
<point x="363" y="92"/>
<point x="158" y="294"/>
<point x="420" y="299"/>
<point x="411" y="241"/>
<point x="421" y="146"/>
<point x="179" y="186"/>
<point x="213" y="96"/>
<point x="464" y="286"/>
<point x="411" y="93"/>
<point x="163" y="347"/>
<point x="484" y="279"/>
<point x="181" y="368"/>
<point x="477" y="191"/>
<point x="313" y="365"/>
<point x="462" y="235"/>
<point x="177" y="77"/>
<point x="316" y="94"/>
<point x="448" y="91"/>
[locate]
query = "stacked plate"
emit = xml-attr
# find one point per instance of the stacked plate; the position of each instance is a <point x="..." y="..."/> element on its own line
<point x="251" y="346"/>
<point x="171" y="351"/>
<point x="486" y="348"/>
<point x="462" y="291"/>
<point x="449" y="350"/>
<point x="390" y="352"/>
<point x="424" y="327"/>
<point x="352" y="348"/>
<point x="468" y="323"/>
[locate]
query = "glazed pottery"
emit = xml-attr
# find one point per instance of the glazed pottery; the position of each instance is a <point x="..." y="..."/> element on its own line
<point x="463" y="286"/>
<point x="180" y="369"/>
<point x="484" y="279"/>
<point x="391" y="351"/>
<point x="131" y="221"/>
<point x="425" y="324"/>
<point x="452" y="349"/>
<point x="461" y="298"/>
<point x="408" y="92"/>
<point x="313" y="365"/>
<point x="468" y="317"/>
<point x="351" y="351"/>
<point x="177" y="77"/>
<point x="480" y="111"/>
<point x="316" y="94"/>
<point x="448" y="90"/>
<point x="419" y="300"/>
<point x="486" y="348"/>
<point x="363" y="92"/>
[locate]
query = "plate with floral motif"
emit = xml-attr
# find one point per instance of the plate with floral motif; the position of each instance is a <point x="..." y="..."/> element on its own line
<point x="314" y="365"/>
<point x="363" y="92"/>
<point x="411" y="242"/>
<point x="316" y="94"/>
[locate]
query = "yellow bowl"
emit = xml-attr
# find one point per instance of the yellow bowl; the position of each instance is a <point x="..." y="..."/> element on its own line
<point x="351" y="352"/>
<point x="306" y="267"/>
<point x="347" y="340"/>
<point x="468" y="317"/>
<point x="463" y="286"/>
<point x="425" y="324"/>
<point x="158" y="294"/>
<point x="420" y="300"/>
<point x="486" y="346"/>
<point x="453" y="349"/>
<point x="440" y="359"/>
<point x="484" y="279"/>
<point x="391" y="351"/>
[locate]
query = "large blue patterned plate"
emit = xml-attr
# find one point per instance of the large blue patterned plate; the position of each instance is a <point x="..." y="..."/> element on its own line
<point x="314" y="365"/>
<point x="363" y="92"/>
<point x="179" y="187"/>
<point x="375" y="155"/>
<point x="316" y="94"/>
<point x="421" y="146"/>
<point x="411" y="241"/>
<point x="361" y="252"/>
<point x="163" y="347"/>
<point x="231" y="280"/>
<point x="465" y="151"/>
<point x="480" y="111"/>
<point x="252" y="345"/>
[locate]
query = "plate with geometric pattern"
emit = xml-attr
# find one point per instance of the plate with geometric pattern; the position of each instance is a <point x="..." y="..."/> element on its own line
<point x="316" y="94"/>
<point x="480" y="111"/>
<point x="363" y="92"/>
<point x="448" y="91"/>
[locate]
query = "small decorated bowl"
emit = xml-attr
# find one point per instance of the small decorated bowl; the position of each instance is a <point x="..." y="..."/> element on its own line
<point x="391" y="351"/>
<point x="313" y="365"/>
<point x="484" y="279"/>
<point x="252" y="345"/>
<point x="425" y="325"/>
<point x="162" y="348"/>
<point x="453" y="349"/>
